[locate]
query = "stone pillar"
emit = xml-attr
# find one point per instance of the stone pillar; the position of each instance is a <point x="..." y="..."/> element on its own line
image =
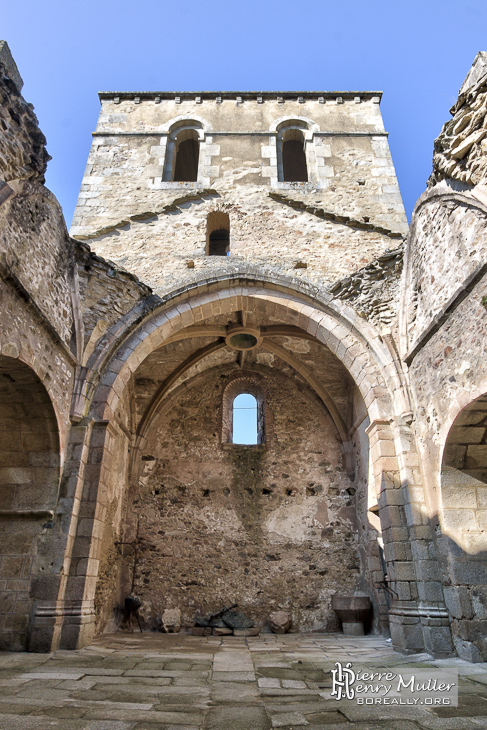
<point x="418" y="616"/>
<point x="78" y="626"/>
<point x="51" y="609"/>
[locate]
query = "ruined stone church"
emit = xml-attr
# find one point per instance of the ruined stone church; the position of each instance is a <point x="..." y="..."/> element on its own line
<point x="240" y="379"/>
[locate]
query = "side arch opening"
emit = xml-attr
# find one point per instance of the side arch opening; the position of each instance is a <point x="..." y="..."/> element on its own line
<point x="463" y="529"/>
<point x="29" y="481"/>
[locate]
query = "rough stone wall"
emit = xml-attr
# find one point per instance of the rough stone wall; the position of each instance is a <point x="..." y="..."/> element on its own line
<point x="346" y="216"/>
<point x="37" y="287"/>
<point x="466" y="448"/>
<point x="460" y="149"/>
<point x="23" y="155"/>
<point x="36" y="251"/>
<point x="22" y="337"/>
<point x="448" y="245"/>
<point x="107" y="292"/>
<point x="464" y="548"/>
<point x="266" y="527"/>
<point x="444" y="328"/>
<point x="374" y="290"/>
<point x="40" y="335"/>
<point x="449" y="367"/>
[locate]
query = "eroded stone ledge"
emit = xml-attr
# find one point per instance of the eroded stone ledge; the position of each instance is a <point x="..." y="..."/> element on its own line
<point x="344" y="220"/>
<point x="148" y="214"/>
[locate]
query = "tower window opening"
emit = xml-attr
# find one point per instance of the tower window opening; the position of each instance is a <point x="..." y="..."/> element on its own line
<point x="219" y="243"/>
<point x="245" y="421"/>
<point x="294" y="157"/>
<point x="218" y="234"/>
<point x="187" y="157"/>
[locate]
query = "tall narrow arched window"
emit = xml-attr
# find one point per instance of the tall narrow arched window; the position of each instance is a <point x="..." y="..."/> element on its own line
<point x="187" y="156"/>
<point x="292" y="164"/>
<point x="245" y="419"/>
<point x="218" y="234"/>
<point x="244" y="411"/>
<point x="183" y="152"/>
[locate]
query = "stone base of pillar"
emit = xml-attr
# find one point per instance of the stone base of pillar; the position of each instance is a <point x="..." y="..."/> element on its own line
<point x="61" y="625"/>
<point x="421" y="628"/>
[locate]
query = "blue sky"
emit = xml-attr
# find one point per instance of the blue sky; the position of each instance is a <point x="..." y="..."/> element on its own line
<point x="417" y="53"/>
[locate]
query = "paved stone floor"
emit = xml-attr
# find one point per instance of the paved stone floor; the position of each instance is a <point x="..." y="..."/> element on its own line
<point x="180" y="682"/>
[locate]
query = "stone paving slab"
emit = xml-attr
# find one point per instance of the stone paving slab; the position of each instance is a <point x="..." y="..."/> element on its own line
<point x="180" y="682"/>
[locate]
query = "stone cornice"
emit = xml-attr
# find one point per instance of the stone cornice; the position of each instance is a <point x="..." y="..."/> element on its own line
<point x="242" y="95"/>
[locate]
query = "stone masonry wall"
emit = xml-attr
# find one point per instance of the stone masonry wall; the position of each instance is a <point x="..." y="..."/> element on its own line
<point x="107" y="292"/>
<point x="29" y="478"/>
<point x="451" y="365"/>
<point x="36" y="251"/>
<point x="266" y="527"/>
<point x="374" y="290"/>
<point x="40" y="336"/>
<point x="348" y="214"/>
<point x="444" y="328"/>
<point x="23" y="155"/>
<point x="447" y="246"/>
<point x="460" y="149"/>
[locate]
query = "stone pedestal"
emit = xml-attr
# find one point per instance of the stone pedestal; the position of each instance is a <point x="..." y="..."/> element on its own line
<point x="352" y="612"/>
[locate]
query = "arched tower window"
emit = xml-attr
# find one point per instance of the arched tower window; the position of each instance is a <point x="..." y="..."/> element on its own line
<point x="244" y="411"/>
<point x="244" y="419"/>
<point x="291" y="151"/>
<point x="183" y="152"/>
<point x="218" y="234"/>
<point x="187" y="151"/>
<point x="294" y="165"/>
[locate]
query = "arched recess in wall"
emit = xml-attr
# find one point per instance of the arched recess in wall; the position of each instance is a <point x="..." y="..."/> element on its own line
<point x="463" y="529"/>
<point x="238" y="487"/>
<point x="218" y="234"/>
<point x="183" y="151"/>
<point x="29" y="481"/>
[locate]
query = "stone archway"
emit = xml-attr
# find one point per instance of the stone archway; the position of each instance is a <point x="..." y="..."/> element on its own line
<point x="369" y="363"/>
<point x="462" y="524"/>
<point x="29" y="481"/>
